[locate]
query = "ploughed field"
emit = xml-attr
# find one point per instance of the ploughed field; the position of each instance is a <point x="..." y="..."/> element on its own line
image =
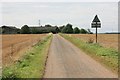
<point x="106" y="40"/>
<point x="14" y="45"/>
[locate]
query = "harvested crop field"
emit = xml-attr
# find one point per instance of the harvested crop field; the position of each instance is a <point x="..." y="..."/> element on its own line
<point x="14" y="45"/>
<point x="106" y="40"/>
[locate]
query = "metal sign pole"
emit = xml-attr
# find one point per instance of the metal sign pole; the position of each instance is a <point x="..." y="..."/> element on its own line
<point x="96" y="34"/>
<point x="96" y="24"/>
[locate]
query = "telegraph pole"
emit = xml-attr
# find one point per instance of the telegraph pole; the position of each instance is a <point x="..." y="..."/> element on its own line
<point x="39" y="22"/>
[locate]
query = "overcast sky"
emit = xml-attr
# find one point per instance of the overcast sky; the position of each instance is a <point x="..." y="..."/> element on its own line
<point x="79" y="14"/>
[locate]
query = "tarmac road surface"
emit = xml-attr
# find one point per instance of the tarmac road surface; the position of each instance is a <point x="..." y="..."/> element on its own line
<point x="67" y="61"/>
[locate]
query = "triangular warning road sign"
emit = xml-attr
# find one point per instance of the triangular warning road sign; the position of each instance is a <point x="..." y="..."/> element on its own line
<point x="96" y="19"/>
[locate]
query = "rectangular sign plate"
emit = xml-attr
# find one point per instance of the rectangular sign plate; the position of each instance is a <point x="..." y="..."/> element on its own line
<point x="94" y="25"/>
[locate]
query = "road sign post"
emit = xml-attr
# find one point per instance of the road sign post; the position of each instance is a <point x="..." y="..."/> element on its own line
<point x="96" y="34"/>
<point x="96" y="24"/>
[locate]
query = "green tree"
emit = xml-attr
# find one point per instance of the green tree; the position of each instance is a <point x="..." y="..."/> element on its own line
<point x="48" y="25"/>
<point x="25" y="30"/>
<point x="57" y="29"/>
<point x="83" y="31"/>
<point x="67" y="29"/>
<point x="61" y="27"/>
<point x="35" y="31"/>
<point x="76" y="30"/>
<point x="89" y="31"/>
<point x="64" y="30"/>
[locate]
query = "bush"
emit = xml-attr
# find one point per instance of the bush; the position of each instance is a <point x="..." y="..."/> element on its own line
<point x="67" y="29"/>
<point x="61" y="27"/>
<point x="83" y="31"/>
<point x="25" y="30"/>
<point x="76" y="30"/>
<point x="89" y="31"/>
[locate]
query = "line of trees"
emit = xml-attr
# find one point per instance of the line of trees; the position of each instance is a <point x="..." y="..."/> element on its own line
<point x="39" y="30"/>
<point x="68" y="29"/>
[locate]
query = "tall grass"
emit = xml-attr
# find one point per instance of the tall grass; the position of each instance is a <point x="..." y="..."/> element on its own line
<point x="32" y="64"/>
<point x="106" y="56"/>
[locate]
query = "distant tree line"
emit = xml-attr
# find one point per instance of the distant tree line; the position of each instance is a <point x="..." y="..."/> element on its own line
<point x="68" y="29"/>
<point x="39" y="30"/>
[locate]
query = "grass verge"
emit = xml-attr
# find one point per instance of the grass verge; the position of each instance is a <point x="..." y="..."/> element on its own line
<point x="106" y="56"/>
<point x="32" y="64"/>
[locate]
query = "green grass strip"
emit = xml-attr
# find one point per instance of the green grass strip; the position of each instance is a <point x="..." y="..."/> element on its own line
<point x="106" y="56"/>
<point x="32" y="64"/>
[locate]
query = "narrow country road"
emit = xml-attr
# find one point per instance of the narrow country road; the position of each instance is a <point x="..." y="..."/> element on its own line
<point x="67" y="61"/>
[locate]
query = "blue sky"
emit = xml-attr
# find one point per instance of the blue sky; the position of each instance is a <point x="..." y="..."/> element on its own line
<point x="79" y="14"/>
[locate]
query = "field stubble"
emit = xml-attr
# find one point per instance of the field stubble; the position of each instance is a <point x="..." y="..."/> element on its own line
<point x="106" y="40"/>
<point x="14" y="45"/>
